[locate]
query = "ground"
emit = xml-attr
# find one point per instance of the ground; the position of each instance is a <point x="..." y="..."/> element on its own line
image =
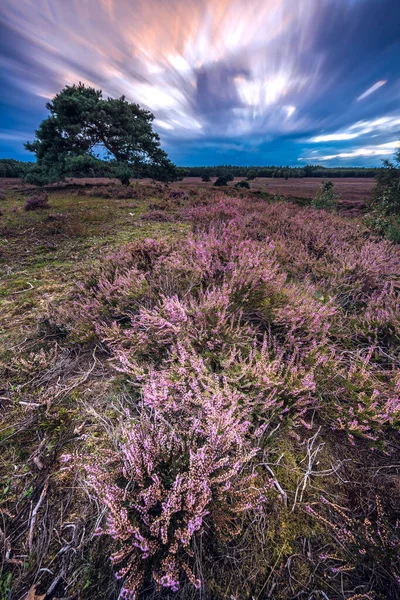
<point x="110" y="290"/>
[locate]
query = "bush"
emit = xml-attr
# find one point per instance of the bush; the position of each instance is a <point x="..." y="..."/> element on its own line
<point x="387" y="192"/>
<point x="38" y="201"/>
<point x="325" y="197"/>
<point x="393" y="231"/>
<point x="223" y="180"/>
<point x="242" y="184"/>
<point x="206" y="178"/>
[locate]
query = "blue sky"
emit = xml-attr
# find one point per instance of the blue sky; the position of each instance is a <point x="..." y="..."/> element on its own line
<point x="230" y="81"/>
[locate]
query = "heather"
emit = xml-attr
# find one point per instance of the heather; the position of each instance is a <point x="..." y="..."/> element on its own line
<point x="216" y="407"/>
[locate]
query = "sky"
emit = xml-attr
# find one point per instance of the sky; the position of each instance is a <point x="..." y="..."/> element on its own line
<point x="246" y="82"/>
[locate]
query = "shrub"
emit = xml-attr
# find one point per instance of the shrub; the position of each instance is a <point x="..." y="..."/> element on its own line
<point x="393" y="231"/>
<point x="325" y="197"/>
<point x="38" y="201"/>
<point x="242" y="185"/>
<point x="182" y="470"/>
<point x="206" y="178"/>
<point x="223" y="180"/>
<point x="158" y="215"/>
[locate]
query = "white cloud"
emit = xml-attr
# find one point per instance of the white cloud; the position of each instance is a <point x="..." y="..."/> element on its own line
<point x="382" y="125"/>
<point x="372" y="89"/>
<point x="369" y="151"/>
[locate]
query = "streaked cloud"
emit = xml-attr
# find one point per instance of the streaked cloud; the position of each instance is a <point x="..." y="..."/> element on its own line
<point x="372" y="89"/>
<point x="388" y="124"/>
<point x="381" y="151"/>
<point x="219" y="72"/>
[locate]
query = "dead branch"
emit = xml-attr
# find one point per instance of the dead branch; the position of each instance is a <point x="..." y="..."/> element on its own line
<point x="34" y="515"/>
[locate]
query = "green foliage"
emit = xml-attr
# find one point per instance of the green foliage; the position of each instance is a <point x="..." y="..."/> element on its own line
<point x="13" y="168"/>
<point x="387" y="193"/>
<point x="325" y="197"/>
<point x="5" y="585"/>
<point x="206" y="178"/>
<point x="223" y="180"/>
<point x="243" y="184"/>
<point x="384" y="218"/>
<point x="82" y="121"/>
<point x="286" y="172"/>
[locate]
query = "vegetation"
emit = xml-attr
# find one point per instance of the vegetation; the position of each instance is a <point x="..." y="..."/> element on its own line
<point x="242" y="185"/>
<point x="326" y="197"/>
<point x="200" y="395"/>
<point x="223" y="180"/>
<point x="37" y="201"/>
<point x="251" y="173"/>
<point x="88" y="166"/>
<point x="82" y="121"/>
<point x="13" y="168"/>
<point x="384" y="217"/>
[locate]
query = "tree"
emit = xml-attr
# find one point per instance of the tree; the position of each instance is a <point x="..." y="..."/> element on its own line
<point x="81" y="122"/>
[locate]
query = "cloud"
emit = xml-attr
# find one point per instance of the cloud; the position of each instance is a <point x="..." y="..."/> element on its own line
<point x="232" y="70"/>
<point x="381" y="125"/>
<point x="379" y="151"/>
<point x="372" y="89"/>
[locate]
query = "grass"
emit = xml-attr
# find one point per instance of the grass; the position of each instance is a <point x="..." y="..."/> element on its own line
<point x="324" y="296"/>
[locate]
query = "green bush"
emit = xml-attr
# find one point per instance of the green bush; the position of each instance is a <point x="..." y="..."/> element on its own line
<point x="325" y="197"/>
<point x="384" y="217"/>
<point x="223" y="180"/>
<point x="243" y="184"/>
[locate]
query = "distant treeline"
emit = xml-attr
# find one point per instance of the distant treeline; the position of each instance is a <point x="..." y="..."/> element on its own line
<point x="286" y="172"/>
<point x="99" y="168"/>
<point x="13" y="168"/>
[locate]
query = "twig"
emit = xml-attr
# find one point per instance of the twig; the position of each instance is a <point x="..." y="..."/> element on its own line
<point x="277" y="484"/>
<point x="311" y="456"/>
<point x="34" y="514"/>
<point x="25" y="290"/>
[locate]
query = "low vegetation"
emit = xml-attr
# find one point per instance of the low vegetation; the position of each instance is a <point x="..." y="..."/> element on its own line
<point x="201" y="397"/>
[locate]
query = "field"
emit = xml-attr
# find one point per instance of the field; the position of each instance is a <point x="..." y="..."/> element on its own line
<point x="200" y="394"/>
<point x="355" y="193"/>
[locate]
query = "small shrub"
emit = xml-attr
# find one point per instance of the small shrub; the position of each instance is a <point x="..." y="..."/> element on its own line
<point x="242" y="184"/>
<point x="223" y="180"/>
<point x="325" y="197"/>
<point x="206" y="178"/>
<point x="158" y="215"/>
<point x="38" y="201"/>
<point x="176" y="194"/>
<point x="393" y="231"/>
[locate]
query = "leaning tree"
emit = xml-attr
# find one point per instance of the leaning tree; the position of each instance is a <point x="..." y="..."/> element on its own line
<point x="82" y="123"/>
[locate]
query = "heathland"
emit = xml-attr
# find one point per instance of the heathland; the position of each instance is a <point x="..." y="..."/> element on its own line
<point x="200" y="392"/>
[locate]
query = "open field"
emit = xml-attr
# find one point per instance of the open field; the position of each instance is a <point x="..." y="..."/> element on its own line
<point x="355" y="193"/>
<point x="203" y="384"/>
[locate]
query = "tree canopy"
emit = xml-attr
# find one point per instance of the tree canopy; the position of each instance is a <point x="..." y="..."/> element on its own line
<point x="82" y="122"/>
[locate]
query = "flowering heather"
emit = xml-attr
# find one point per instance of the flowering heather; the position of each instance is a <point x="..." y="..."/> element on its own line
<point x="267" y="326"/>
<point x="179" y="468"/>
